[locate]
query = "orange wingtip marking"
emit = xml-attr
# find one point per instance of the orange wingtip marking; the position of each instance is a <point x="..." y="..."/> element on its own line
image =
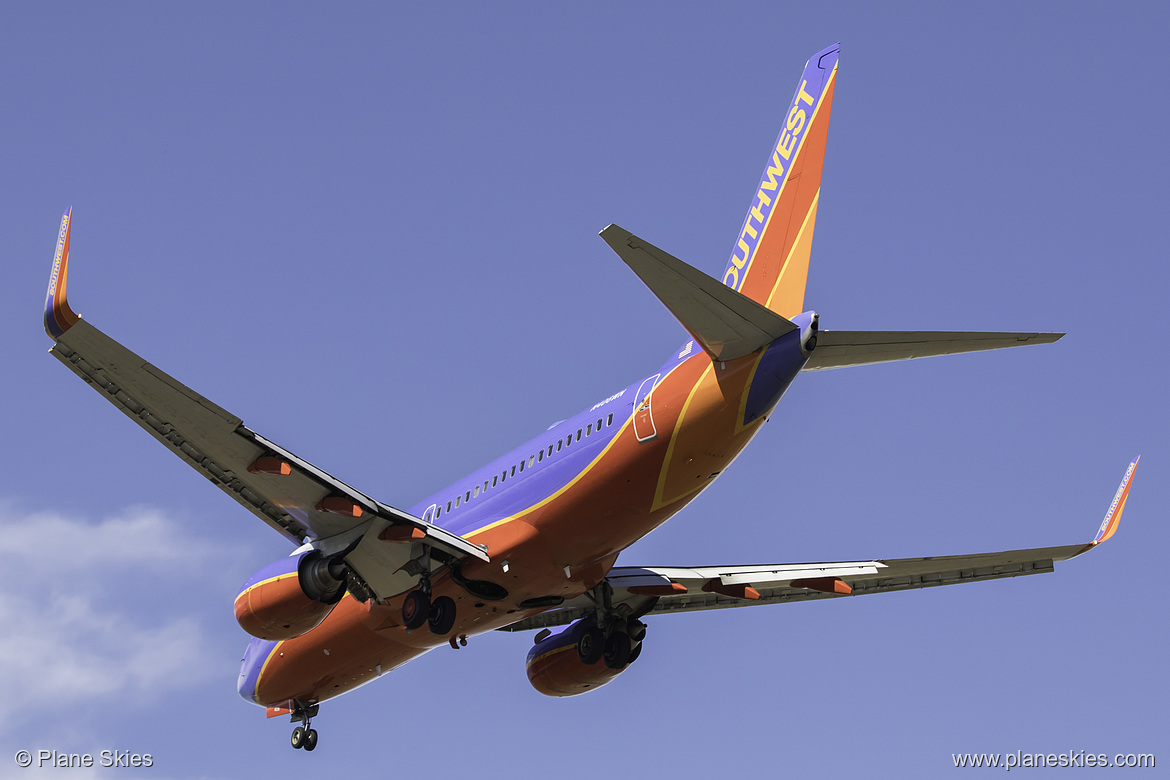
<point x="58" y="316"/>
<point x="824" y="585"/>
<point x="1113" y="515"/>
<point x="672" y="589"/>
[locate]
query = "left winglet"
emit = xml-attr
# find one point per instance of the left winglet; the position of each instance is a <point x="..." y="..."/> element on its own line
<point x="1113" y="516"/>
<point x="58" y="316"/>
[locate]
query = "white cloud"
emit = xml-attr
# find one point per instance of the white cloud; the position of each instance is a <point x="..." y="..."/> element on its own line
<point x="71" y="648"/>
<point x="73" y="629"/>
<point x="142" y="536"/>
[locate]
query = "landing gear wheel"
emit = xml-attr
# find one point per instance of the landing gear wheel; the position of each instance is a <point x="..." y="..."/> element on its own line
<point x="442" y="615"/>
<point x="591" y="646"/>
<point x="415" y="609"/>
<point x="298" y="738"/>
<point x="617" y="650"/>
<point x="310" y="739"/>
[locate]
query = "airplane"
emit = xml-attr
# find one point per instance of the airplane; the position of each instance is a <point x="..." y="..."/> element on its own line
<point x="530" y="541"/>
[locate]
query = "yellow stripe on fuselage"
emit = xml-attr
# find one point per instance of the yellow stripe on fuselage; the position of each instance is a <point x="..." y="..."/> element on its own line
<point x="263" y="668"/>
<point x="592" y="464"/>
<point x="659" y="502"/>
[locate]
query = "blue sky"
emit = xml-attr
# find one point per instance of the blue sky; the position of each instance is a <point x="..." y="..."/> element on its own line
<point x="371" y="233"/>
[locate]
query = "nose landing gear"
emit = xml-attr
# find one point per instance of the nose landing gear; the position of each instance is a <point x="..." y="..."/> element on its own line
<point x="304" y="736"/>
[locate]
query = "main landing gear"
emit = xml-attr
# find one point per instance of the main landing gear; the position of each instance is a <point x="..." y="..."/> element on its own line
<point x="616" y="634"/>
<point x="620" y="649"/>
<point x="304" y="736"/>
<point x="418" y="608"/>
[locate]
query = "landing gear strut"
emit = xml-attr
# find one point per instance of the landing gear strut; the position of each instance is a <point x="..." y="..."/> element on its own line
<point x="304" y="736"/>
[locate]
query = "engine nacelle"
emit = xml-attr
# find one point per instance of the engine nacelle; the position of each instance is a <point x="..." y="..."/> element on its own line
<point x="291" y="596"/>
<point x="556" y="668"/>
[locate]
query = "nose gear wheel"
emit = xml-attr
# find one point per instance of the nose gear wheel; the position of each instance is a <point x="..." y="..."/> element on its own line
<point x="304" y="736"/>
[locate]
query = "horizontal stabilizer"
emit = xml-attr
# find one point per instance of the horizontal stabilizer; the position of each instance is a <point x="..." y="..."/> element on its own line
<point x="842" y="348"/>
<point x="727" y="324"/>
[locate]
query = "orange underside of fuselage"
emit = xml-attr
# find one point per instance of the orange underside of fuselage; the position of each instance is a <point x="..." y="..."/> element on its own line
<point x="626" y="492"/>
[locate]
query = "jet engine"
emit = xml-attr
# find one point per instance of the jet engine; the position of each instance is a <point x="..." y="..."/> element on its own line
<point x="290" y="597"/>
<point x="583" y="657"/>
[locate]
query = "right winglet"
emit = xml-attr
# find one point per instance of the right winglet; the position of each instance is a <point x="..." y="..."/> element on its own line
<point x="58" y="316"/>
<point x="1113" y="516"/>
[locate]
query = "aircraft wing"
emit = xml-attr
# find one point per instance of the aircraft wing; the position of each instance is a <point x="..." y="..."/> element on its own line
<point x="654" y="590"/>
<point x="843" y="348"/>
<point x="299" y="500"/>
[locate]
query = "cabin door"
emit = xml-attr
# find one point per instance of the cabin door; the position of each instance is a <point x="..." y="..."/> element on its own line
<point x="643" y="411"/>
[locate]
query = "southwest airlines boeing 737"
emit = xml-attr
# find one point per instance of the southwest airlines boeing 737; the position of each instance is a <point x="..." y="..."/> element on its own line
<point x="530" y="541"/>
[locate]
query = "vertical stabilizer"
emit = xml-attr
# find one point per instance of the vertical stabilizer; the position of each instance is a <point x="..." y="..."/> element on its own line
<point x="770" y="261"/>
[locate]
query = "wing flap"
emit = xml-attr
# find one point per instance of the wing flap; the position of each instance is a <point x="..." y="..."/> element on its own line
<point x="843" y="348"/>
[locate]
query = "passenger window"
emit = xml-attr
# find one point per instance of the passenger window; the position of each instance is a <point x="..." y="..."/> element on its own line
<point x="550" y="449"/>
<point x="589" y="429"/>
<point x="559" y="443"/>
<point x="531" y="460"/>
<point x="476" y="490"/>
<point x="495" y="480"/>
<point x="513" y="472"/>
<point x="467" y="497"/>
<point x="609" y="420"/>
<point x="521" y="466"/>
<point x="457" y="500"/>
<point x="540" y="456"/>
<point x="438" y="513"/>
<point x="448" y="506"/>
<point x="599" y="424"/>
<point x="578" y="434"/>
